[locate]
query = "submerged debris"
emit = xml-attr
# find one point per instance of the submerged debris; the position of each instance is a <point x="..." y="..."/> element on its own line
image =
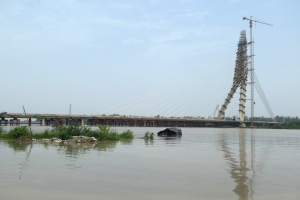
<point x="170" y="132"/>
<point x="73" y="139"/>
<point x="55" y="139"/>
<point x="82" y="139"/>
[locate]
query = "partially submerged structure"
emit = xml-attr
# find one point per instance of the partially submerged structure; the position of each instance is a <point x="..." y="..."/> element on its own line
<point x="170" y="132"/>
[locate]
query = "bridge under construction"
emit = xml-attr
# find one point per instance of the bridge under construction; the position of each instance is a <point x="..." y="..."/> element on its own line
<point x="52" y="119"/>
<point x="243" y="66"/>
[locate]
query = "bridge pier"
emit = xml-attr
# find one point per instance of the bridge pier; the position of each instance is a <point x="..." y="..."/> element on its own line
<point x="82" y="122"/>
<point x="43" y="122"/>
<point x="4" y="121"/>
<point x="14" y="121"/>
<point x="242" y="125"/>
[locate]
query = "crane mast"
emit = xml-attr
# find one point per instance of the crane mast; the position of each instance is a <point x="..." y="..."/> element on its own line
<point x="252" y="64"/>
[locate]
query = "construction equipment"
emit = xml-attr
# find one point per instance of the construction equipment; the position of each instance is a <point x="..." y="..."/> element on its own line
<point x="252" y="63"/>
<point x="213" y="114"/>
<point x="28" y="120"/>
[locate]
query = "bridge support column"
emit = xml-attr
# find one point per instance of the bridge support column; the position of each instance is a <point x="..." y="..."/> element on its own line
<point x="43" y="122"/>
<point x="29" y="122"/>
<point x="145" y="123"/>
<point x="82" y="122"/>
<point x="242" y="125"/>
<point x="4" y="121"/>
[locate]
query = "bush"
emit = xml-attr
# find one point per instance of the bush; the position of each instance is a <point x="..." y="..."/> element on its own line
<point x="126" y="135"/>
<point x="107" y="135"/>
<point x="65" y="132"/>
<point x="1" y="131"/>
<point x="104" y="133"/>
<point x="17" y="132"/>
<point x="46" y="134"/>
<point x="149" y="135"/>
<point x="104" y="128"/>
<point x="63" y="135"/>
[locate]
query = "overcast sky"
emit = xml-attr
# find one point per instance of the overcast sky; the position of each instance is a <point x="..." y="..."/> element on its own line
<point x="144" y="57"/>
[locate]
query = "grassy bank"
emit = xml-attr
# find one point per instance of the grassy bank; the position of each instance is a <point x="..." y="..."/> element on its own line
<point x="65" y="132"/>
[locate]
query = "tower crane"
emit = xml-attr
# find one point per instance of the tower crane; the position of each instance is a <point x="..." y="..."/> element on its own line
<point x="252" y="64"/>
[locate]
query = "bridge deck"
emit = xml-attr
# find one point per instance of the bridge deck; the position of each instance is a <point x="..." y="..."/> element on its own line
<point x="49" y="119"/>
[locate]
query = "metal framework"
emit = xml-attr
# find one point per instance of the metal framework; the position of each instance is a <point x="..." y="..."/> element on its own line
<point x="239" y="79"/>
<point x="252" y="64"/>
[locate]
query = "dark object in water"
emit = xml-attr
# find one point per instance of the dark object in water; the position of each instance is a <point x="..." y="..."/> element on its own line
<point x="170" y="132"/>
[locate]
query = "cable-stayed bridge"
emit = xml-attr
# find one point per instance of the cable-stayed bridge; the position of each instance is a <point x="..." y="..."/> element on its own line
<point x="175" y="101"/>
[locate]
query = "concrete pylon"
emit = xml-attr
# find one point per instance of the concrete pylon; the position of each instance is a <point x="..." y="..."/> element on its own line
<point x="239" y="79"/>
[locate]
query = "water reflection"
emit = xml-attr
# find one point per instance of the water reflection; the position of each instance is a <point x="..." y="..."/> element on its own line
<point x="149" y="142"/>
<point x="171" y="140"/>
<point x="72" y="149"/>
<point x="238" y="167"/>
<point x="17" y="146"/>
<point x="24" y="164"/>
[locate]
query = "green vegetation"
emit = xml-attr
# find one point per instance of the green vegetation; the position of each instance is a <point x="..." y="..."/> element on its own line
<point x="16" y="132"/>
<point x="149" y="135"/>
<point x="127" y="135"/>
<point x="227" y="126"/>
<point x="45" y="135"/>
<point x="65" y="132"/>
<point x="289" y="125"/>
<point x="104" y="133"/>
<point x="1" y="131"/>
<point x="287" y="119"/>
<point x="282" y="119"/>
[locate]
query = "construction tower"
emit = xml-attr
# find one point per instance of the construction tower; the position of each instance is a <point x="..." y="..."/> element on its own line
<point x="239" y="80"/>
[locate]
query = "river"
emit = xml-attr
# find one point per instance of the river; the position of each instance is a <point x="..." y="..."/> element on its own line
<point x="205" y="163"/>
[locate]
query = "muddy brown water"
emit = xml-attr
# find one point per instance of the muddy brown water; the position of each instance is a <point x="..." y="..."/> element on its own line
<point x="205" y="163"/>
